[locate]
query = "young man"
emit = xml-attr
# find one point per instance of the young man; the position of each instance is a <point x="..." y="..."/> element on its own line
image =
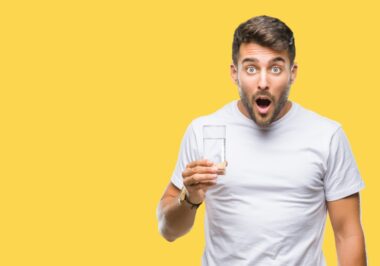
<point x="287" y="166"/>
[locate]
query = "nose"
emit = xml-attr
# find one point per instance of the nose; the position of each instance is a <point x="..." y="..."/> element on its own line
<point x="263" y="81"/>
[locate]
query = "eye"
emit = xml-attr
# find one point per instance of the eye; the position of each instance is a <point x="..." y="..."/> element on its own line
<point x="276" y="69"/>
<point x="251" y="70"/>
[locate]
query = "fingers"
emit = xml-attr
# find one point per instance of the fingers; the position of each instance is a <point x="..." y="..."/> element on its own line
<point x="199" y="163"/>
<point x="202" y="172"/>
<point x="200" y="186"/>
<point x="198" y="178"/>
<point x="199" y="170"/>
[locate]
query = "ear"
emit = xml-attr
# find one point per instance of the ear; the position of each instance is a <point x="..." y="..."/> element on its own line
<point x="234" y="73"/>
<point x="293" y="73"/>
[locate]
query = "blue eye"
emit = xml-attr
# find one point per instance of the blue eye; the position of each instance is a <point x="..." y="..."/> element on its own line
<point x="276" y="69"/>
<point x="251" y="70"/>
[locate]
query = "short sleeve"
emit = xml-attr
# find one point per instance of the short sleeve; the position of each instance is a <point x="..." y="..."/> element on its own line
<point x="342" y="176"/>
<point x="188" y="152"/>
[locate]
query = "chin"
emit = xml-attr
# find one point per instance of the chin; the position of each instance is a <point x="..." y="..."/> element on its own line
<point x="263" y="122"/>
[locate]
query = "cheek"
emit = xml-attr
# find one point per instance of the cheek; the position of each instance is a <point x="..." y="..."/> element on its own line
<point x="247" y="88"/>
<point x="281" y="80"/>
<point x="280" y="84"/>
<point x="248" y="82"/>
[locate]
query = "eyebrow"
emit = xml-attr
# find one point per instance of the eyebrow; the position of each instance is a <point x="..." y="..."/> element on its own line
<point x="253" y="60"/>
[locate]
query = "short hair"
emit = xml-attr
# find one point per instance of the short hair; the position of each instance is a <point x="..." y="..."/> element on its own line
<point x="265" y="31"/>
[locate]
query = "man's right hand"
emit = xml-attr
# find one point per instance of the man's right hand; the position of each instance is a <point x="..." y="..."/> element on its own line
<point x="198" y="177"/>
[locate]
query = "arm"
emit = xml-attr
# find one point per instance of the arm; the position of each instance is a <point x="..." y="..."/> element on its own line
<point x="174" y="219"/>
<point x="349" y="237"/>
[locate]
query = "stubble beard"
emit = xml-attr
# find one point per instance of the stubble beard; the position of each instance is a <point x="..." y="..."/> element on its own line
<point x="271" y="117"/>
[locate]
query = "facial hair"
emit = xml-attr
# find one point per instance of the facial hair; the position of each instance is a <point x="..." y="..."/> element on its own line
<point x="278" y="105"/>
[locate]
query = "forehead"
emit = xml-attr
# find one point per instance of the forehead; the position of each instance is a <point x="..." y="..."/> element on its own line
<point x="253" y="52"/>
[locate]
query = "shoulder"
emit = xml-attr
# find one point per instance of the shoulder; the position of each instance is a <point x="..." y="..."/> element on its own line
<point x="221" y="116"/>
<point x="314" y="121"/>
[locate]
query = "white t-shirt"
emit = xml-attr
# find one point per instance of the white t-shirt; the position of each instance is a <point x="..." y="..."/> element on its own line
<point x="270" y="206"/>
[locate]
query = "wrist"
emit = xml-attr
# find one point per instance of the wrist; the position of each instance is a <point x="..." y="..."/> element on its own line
<point x="184" y="199"/>
<point x="191" y="200"/>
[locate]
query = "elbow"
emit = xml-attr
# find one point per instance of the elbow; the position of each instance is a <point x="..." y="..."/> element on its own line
<point x="171" y="235"/>
<point x="164" y="230"/>
<point x="166" y="234"/>
<point x="169" y="238"/>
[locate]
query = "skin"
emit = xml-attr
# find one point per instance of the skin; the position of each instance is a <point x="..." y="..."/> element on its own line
<point x="256" y="73"/>
<point x="349" y="236"/>
<point x="175" y="220"/>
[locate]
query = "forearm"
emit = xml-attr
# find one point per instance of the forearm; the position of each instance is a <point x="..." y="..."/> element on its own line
<point x="351" y="250"/>
<point x="174" y="220"/>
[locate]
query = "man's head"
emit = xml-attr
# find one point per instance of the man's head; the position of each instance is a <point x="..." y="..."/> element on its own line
<point x="263" y="53"/>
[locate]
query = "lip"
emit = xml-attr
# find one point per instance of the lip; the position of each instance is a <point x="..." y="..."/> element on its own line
<point x="263" y="110"/>
<point x="263" y="98"/>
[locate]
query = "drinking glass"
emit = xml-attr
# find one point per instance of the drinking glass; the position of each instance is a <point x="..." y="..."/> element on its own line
<point x="214" y="144"/>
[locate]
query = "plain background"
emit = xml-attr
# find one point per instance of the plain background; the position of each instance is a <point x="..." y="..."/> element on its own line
<point x="95" y="97"/>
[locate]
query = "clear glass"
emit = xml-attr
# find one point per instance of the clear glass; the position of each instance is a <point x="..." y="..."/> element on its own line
<point x="214" y="144"/>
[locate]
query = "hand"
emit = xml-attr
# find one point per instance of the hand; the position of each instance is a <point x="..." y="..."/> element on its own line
<point x="198" y="177"/>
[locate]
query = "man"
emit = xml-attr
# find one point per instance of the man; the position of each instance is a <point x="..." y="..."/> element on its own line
<point x="287" y="166"/>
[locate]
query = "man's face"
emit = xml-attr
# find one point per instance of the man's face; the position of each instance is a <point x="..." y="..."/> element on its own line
<point x="264" y="77"/>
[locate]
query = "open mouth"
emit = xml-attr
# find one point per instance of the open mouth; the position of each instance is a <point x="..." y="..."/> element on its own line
<point x="263" y="104"/>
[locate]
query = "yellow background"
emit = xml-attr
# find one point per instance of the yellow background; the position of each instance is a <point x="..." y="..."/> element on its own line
<point x="95" y="98"/>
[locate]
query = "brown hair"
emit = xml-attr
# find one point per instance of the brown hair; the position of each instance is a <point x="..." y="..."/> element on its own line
<point x="266" y="31"/>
